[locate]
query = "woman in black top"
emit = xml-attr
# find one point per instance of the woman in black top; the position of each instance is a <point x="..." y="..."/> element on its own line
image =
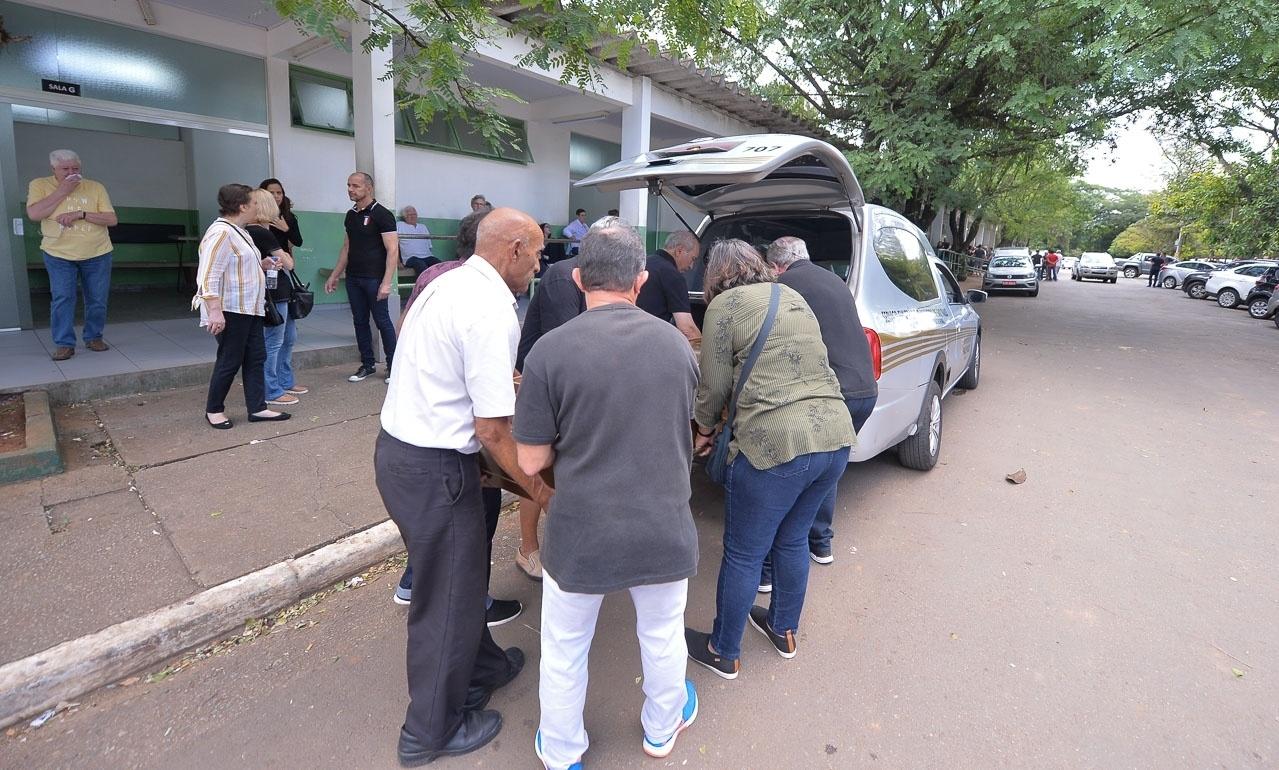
<point x="280" y="388"/>
<point x="285" y="226"/>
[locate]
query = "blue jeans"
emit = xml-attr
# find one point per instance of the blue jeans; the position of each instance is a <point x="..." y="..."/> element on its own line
<point x="65" y="276"/>
<point x="279" y="353"/>
<point x="420" y="264"/>
<point x="769" y="513"/>
<point x="820" y="536"/>
<point x="361" y="292"/>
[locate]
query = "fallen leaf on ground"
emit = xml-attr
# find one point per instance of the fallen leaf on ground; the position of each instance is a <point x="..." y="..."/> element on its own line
<point x="1017" y="477"/>
<point x="215" y="514"/>
<point x="1237" y="672"/>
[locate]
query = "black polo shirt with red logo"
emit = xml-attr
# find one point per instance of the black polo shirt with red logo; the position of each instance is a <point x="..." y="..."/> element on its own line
<point x="366" y="257"/>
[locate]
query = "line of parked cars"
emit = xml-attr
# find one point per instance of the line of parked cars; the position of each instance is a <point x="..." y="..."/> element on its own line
<point x="1246" y="283"/>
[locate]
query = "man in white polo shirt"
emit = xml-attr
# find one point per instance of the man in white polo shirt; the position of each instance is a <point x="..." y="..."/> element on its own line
<point x="452" y="393"/>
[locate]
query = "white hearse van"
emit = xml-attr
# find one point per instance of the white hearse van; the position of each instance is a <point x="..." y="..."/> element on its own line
<point x="924" y="334"/>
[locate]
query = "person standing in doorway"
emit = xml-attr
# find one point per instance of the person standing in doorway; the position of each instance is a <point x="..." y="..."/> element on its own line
<point x="570" y="413"/>
<point x="74" y="214"/>
<point x="452" y="394"/>
<point x="416" y="252"/>
<point x="665" y="293"/>
<point x="848" y="353"/>
<point x="575" y="230"/>
<point x="370" y="257"/>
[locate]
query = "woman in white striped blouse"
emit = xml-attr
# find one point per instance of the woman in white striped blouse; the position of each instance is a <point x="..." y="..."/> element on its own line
<point x="231" y="293"/>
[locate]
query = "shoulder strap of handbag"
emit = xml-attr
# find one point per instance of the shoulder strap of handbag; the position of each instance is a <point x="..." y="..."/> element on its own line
<point x="756" y="349"/>
<point x="296" y="282"/>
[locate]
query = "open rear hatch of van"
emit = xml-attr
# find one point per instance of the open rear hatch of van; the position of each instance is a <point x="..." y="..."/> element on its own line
<point x="741" y="173"/>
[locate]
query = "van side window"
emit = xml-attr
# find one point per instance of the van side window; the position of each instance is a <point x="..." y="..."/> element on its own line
<point x="949" y="285"/>
<point x="906" y="263"/>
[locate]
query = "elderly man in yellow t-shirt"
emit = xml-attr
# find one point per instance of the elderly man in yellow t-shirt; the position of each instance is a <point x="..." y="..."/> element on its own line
<point x="74" y="214"/>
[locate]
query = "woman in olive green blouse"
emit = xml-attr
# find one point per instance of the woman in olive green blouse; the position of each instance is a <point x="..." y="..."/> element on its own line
<point x="790" y="446"/>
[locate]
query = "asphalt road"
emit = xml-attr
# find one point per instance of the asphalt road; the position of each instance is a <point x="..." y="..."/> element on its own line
<point x="1119" y="609"/>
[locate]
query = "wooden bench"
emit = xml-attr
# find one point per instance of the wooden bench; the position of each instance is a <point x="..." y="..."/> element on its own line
<point x="146" y="234"/>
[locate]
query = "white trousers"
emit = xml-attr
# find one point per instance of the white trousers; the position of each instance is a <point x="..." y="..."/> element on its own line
<point x="568" y="625"/>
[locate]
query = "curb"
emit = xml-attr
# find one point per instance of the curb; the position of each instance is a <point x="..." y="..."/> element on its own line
<point x="40" y="456"/>
<point x="109" y="386"/>
<point x="75" y="667"/>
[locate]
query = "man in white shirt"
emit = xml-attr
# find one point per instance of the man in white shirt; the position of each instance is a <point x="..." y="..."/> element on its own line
<point x="414" y="252"/>
<point x="451" y="394"/>
<point x="576" y="230"/>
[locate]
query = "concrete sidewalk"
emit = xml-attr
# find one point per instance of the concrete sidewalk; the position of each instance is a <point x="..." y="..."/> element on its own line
<point x="155" y="507"/>
<point x="153" y="347"/>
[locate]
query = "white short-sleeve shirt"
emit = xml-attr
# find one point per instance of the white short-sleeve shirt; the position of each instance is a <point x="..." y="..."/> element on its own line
<point x="454" y="360"/>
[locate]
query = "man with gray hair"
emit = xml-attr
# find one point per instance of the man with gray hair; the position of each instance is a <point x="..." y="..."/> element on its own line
<point x="847" y="350"/>
<point x="74" y="214"/>
<point x="607" y="398"/>
<point x="665" y="295"/>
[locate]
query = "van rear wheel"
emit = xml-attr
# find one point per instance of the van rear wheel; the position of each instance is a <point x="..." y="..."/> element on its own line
<point x="921" y="450"/>
<point x="973" y="375"/>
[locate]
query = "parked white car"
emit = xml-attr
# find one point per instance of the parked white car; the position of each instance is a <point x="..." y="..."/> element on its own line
<point x="1231" y="286"/>
<point x="924" y="334"/>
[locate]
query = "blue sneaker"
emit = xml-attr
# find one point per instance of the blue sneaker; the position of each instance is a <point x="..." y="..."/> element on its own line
<point x="537" y="747"/>
<point x="661" y="749"/>
<point x="404" y="591"/>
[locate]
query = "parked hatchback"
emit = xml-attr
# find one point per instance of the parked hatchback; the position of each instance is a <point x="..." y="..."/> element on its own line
<point x="1011" y="273"/>
<point x="924" y="333"/>
<point x="1173" y="275"/>
<point x="1096" y="264"/>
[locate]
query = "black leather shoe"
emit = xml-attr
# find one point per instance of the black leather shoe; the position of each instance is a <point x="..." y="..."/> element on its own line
<point x="478" y="697"/>
<point x="476" y="730"/>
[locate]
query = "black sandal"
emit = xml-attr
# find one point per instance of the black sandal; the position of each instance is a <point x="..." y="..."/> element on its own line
<point x="224" y="425"/>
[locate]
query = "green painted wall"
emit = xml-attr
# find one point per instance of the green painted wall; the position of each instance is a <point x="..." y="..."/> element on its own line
<point x="126" y="252"/>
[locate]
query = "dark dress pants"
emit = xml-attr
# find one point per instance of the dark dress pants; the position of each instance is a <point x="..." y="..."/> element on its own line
<point x="361" y="292"/>
<point x="433" y="496"/>
<point x="241" y="348"/>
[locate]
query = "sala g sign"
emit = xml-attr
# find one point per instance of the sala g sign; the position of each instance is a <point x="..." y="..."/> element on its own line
<point x="60" y="87"/>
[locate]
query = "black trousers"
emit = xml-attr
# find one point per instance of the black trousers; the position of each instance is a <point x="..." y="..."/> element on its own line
<point x="433" y="496"/>
<point x="241" y="348"/>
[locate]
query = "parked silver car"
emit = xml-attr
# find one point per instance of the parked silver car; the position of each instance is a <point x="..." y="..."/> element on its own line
<point x="1171" y="276"/>
<point x="1011" y="273"/>
<point x="1096" y="264"/>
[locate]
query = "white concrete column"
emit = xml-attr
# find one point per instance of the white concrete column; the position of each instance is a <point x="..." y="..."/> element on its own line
<point x="636" y="129"/>
<point x="374" y="105"/>
<point x="279" y="112"/>
<point x="374" y="114"/>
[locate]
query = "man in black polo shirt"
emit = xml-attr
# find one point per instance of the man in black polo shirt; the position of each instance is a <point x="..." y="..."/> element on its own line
<point x="665" y="294"/>
<point x="846" y="346"/>
<point x="370" y="256"/>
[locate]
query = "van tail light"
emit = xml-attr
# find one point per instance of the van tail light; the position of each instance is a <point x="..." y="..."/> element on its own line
<point x="876" y="351"/>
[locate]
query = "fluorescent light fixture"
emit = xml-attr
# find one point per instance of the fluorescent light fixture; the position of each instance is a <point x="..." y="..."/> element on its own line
<point x="148" y="15"/>
<point x="591" y="118"/>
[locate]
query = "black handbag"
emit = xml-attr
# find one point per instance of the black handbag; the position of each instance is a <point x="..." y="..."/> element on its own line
<point x="717" y="463"/>
<point x="303" y="299"/>
<point x="272" y="315"/>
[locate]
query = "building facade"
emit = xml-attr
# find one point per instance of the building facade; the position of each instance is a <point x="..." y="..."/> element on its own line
<point x="166" y="100"/>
